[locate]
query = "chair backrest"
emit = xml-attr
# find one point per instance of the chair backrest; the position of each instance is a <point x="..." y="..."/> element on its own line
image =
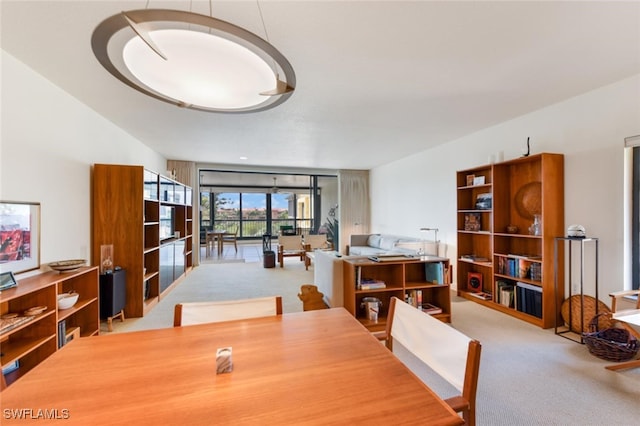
<point x="205" y="312"/>
<point x="313" y="242"/>
<point x="450" y="353"/>
<point x="290" y="242"/>
<point x="616" y="296"/>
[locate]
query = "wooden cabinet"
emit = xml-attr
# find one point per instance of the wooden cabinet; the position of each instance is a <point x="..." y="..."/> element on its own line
<point x="30" y="342"/>
<point x="140" y="213"/>
<point x="402" y="279"/>
<point x="507" y="222"/>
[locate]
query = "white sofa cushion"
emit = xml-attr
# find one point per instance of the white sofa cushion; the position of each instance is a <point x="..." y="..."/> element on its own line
<point x="388" y="242"/>
<point x="374" y="240"/>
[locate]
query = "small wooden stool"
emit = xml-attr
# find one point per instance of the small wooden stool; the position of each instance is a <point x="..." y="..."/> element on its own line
<point x="311" y="298"/>
<point x="110" y="319"/>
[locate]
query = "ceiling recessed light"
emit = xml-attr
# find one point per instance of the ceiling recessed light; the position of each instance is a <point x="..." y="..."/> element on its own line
<point x="244" y="158"/>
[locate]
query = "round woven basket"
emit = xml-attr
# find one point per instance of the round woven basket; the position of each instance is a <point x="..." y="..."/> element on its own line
<point x="604" y="321"/>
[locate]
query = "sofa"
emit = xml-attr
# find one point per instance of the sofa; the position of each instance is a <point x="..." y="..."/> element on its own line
<point x="374" y="244"/>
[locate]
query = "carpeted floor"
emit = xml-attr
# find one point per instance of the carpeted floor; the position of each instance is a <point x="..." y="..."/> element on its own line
<point x="529" y="376"/>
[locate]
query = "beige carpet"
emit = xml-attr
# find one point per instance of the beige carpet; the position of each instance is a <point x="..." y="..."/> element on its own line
<point x="227" y="281"/>
<point x="528" y="376"/>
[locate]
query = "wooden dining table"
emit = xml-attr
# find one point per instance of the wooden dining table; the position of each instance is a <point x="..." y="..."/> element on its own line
<point x="214" y="236"/>
<point x="314" y="367"/>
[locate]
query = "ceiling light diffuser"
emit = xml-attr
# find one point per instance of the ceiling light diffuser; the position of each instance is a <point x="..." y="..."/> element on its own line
<point x="193" y="61"/>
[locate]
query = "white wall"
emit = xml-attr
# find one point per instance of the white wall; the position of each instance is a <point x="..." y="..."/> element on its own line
<point x="419" y="191"/>
<point x="49" y="142"/>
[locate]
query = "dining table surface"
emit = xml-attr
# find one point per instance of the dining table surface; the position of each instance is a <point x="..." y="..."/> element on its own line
<point x="313" y="367"/>
<point x="215" y="236"/>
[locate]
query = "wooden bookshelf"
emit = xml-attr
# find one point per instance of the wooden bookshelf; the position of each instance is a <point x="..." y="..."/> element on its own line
<point x="31" y="342"/>
<point x="402" y="278"/>
<point x="504" y="250"/>
<point x="148" y="218"/>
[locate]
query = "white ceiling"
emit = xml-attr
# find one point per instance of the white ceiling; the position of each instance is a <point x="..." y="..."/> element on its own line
<point x="376" y="81"/>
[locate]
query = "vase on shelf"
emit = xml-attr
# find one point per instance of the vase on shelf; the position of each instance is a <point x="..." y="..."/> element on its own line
<point x="536" y="227"/>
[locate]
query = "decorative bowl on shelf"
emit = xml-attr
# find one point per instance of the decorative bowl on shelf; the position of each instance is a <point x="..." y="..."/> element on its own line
<point x="67" y="265"/>
<point x="512" y="229"/>
<point x="36" y="310"/>
<point x="67" y="300"/>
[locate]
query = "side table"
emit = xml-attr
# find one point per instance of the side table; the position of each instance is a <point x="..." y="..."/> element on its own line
<point x="581" y="243"/>
<point x="113" y="295"/>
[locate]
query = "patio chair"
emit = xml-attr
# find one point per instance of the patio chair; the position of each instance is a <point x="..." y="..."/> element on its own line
<point x="290" y="246"/>
<point x="230" y="238"/>
<point x="628" y="319"/>
<point x="313" y="242"/>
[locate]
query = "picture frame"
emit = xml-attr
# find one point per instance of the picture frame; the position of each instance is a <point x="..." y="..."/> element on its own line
<point x="470" y="179"/>
<point x="472" y="222"/>
<point x="484" y="201"/>
<point x="19" y="236"/>
<point x="478" y="180"/>
<point x="7" y="280"/>
<point x="474" y="282"/>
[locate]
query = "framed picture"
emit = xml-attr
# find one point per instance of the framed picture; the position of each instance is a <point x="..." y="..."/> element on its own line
<point x="474" y="282"/>
<point x="472" y="222"/>
<point x="19" y="236"/>
<point x="484" y="201"/>
<point x="478" y="180"/>
<point x="7" y="280"/>
<point x="470" y="179"/>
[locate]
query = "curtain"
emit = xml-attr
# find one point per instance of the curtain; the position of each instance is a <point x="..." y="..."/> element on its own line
<point x="185" y="172"/>
<point x="353" y="205"/>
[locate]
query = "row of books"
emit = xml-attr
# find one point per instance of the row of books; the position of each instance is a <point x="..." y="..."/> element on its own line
<point x="520" y="267"/>
<point x="62" y="333"/>
<point x="364" y="283"/>
<point x="505" y="293"/>
<point x="521" y="296"/>
<point x="435" y="272"/>
<point x="414" y="298"/>
<point x="529" y="299"/>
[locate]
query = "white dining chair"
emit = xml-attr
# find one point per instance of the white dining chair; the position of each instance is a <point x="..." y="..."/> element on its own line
<point x="191" y="313"/>
<point x="448" y="352"/>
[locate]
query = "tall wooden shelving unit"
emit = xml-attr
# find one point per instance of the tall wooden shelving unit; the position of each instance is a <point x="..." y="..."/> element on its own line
<point x="519" y="189"/>
<point x="401" y="278"/>
<point x="127" y="206"/>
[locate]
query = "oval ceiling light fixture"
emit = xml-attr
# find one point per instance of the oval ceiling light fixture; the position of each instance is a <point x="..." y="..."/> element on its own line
<point x="193" y="61"/>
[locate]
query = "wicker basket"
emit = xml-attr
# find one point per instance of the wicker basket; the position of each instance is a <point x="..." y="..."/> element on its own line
<point x="581" y="325"/>
<point x="611" y="344"/>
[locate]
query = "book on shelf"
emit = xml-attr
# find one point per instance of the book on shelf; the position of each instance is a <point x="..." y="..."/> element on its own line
<point x="482" y="295"/>
<point x="391" y="257"/>
<point x="62" y="333"/>
<point x="529" y="299"/>
<point x="9" y="323"/>
<point x="429" y="308"/>
<point x="371" y="284"/>
<point x="517" y="267"/>
<point x="413" y="298"/>
<point x="525" y="256"/>
<point x="434" y="272"/>
<point x="504" y="292"/>
<point x="473" y="258"/>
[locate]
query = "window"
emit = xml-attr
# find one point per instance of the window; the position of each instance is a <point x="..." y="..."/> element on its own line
<point x="254" y="204"/>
